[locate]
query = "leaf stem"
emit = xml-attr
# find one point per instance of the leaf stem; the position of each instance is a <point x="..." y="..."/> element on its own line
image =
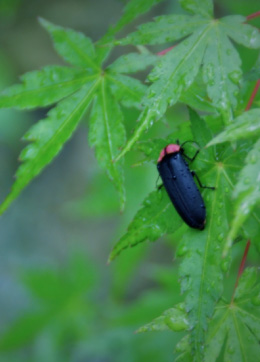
<point x="241" y="269"/>
<point x="252" y="16"/>
<point x="166" y="50"/>
<point x="252" y="97"/>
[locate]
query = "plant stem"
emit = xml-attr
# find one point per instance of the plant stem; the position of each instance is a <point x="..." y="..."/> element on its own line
<point x="241" y="269"/>
<point x="251" y="99"/>
<point x="252" y="16"/>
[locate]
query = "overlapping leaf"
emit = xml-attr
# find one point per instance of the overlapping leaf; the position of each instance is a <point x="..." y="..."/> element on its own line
<point x="209" y="44"/>
<point x="246" y="192"/>
<point x="245" y="126"/>
<point x="204" y="7"/>
<point x="234" y="329"/>
<point x="133" y="9"/>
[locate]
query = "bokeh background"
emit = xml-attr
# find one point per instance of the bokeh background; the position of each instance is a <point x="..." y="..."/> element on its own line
<point x="59" y="300"/>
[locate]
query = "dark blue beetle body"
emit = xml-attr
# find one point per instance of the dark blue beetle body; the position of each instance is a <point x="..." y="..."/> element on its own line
<point x="181" y="187"/>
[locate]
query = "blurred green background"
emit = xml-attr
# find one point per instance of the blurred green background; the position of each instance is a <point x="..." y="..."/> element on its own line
<point x="59" y="300"/>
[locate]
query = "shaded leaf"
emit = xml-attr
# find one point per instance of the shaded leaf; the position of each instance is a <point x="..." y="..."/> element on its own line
<point x="48" y="137"/>
<point x="203" y="7"/>
<point x="196" y="96"/>
<point x="202" y="135"/>
<point x="133" y="9"/>
<point x="44" y="87"/>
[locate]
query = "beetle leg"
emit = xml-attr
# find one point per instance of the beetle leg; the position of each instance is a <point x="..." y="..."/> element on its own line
<point x="193" y="158"/>
<point x="160" y="187"/>
<point x="202" y="186"/>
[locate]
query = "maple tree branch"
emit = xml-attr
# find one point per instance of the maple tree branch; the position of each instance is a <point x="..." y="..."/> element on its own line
<point x="252" y="97"/>
<point x="241" y="269"/>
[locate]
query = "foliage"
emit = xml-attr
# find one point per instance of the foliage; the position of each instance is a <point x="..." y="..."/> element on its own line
<point x="202" y="69"/>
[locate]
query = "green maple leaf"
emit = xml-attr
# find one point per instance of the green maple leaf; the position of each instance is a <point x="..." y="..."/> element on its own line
<point x="208" y="44"/>
<point x="234" y="329"/>
<point x="75" y="89"/>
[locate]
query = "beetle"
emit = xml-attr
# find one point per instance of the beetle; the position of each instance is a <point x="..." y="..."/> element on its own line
<point x="179" y="183"/>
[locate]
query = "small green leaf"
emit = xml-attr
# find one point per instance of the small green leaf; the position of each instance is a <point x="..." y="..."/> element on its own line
<point x="128" y="91"/>
<point x="107" y="135"/>
<point x="246" y="193"/>
<point x="240" y="32"/>
<point x="221" y="71"/>
<point x="43" y="88"/>
<point x="73" y="46"/>
<point x="132" y="63"/>
<point x="202" y="7"/>
<point x="174" y="319"/>
<point x="156" y="218"/>
<point x="164" y="29"/>
<point x="245" y="126"/>
<point x="48" y="137"/>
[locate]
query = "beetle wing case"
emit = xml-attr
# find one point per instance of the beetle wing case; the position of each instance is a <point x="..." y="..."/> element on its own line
<point x="182" y="189"/>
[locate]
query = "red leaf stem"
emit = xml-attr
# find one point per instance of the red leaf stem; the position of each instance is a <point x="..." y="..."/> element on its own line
<point x="241" y="268"/>
<point x="166" y="50"/>
<point x="252" y="97"/>
<point x="252" y="16"/>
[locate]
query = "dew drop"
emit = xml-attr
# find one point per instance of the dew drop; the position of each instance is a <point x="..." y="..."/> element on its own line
<point x="235" y="76"/>
<point x="151" y="94"/>
<point x="220" y="237"/>
<point x="182" y="250"/>
<point x="224" y="265"/>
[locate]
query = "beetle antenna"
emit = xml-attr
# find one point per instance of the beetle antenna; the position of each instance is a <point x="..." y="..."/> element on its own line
<point x="191" y="142"/>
